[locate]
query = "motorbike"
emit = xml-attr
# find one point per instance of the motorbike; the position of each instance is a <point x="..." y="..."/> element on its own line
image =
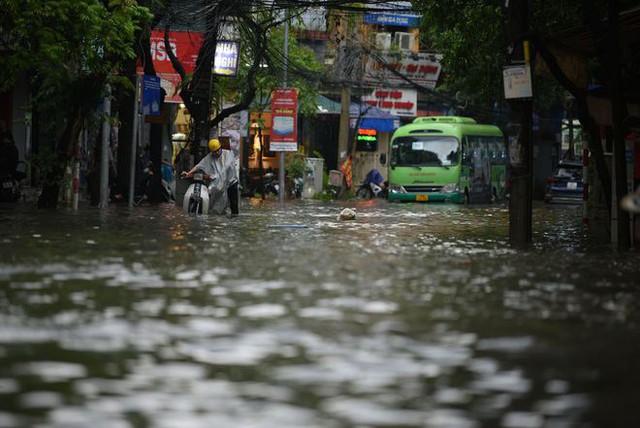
<point x="10" y="190"/>
<point x="296" y="188"/>
<point x="369" y="189"/>
<point x="269" y="184"/>
<point x="196" y="199"/>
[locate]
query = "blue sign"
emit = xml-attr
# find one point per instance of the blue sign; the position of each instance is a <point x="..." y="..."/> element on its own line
<point x="399" y="20"/>
<point x="151" y="95"/>
<point x="225" y="62"/>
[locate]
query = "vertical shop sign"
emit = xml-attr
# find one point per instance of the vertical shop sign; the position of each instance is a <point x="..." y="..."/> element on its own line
<point x="151" y="95"/>
<point x="225" y="62"/>
<point x="284" y="120"/>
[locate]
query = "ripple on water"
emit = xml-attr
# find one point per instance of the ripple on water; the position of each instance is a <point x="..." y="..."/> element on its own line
<point x="413" y="315"/>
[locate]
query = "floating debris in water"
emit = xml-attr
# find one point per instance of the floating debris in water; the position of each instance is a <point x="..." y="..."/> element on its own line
<point x="347" y="214"/>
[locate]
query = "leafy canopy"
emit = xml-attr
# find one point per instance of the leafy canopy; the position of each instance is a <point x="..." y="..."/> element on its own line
<point x="64" y="45"/>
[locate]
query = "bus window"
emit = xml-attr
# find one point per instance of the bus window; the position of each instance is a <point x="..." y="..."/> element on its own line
<point x="466" y="151"/>
<point x="425" y="151"/>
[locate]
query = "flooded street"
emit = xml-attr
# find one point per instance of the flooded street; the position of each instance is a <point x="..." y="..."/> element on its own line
<point x="409" y="316"/>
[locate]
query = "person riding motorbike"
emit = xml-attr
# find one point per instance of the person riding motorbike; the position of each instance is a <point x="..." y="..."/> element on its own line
<point x="220" y="165"/>
<point x="373" y="185"/>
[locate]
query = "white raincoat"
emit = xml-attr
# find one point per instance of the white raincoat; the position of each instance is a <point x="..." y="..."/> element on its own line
<point x="223" y="174"/>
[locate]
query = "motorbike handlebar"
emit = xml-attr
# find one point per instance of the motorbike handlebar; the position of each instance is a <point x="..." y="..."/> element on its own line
<point x="204" y="175"/>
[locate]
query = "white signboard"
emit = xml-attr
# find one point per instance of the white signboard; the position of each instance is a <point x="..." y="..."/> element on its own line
<point x="389" y="70"/>
<point x="517" y="82"/>
<point x="398" y="102"/>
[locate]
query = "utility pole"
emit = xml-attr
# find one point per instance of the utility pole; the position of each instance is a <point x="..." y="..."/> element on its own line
<point x="343" y="135"/>
<point x="284" y="83"/>
<point x="134" y="141"/>
<point x="104" y="153"/>
<point x="518" y="76"/>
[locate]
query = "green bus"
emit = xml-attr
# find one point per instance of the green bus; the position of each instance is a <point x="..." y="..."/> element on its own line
<point x="447" y="159"/>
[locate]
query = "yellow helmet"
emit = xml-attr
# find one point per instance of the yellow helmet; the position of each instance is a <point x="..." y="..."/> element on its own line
<point x="214" y="145"/>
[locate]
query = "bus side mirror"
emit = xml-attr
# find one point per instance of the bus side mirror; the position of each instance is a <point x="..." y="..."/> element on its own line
<point x="383" y="158"/>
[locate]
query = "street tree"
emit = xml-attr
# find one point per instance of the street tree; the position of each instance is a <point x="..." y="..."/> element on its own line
<point x="68" y="50"/>
<point x="259" y="29"/>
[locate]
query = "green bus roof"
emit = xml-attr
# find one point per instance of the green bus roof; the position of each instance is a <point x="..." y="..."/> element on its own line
<point x="444" y="119"/>
<point x="446" y="125"/>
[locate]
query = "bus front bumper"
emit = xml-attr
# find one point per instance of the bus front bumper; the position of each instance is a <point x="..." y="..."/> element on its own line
<point x="453" y="197"/>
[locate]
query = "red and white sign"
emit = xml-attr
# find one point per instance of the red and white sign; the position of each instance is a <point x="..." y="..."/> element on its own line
<point x="284" y="120"/>
<point x="185" y="45"/>
<point x="421" y="68"/>
<point x="398" y="102"/>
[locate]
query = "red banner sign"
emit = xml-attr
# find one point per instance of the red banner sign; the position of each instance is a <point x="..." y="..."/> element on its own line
<point x="185" y="45"/>
<point x="284" y="120"/>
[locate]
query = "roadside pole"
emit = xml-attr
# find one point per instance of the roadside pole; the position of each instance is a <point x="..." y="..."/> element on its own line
<point x="134" y="141"/>
<point x="343" y="130"/>
<point x="104" y="153"/>
<point x="519" y="93"/>
<point x="75" y="195"/>
<point x="284" y="84"/>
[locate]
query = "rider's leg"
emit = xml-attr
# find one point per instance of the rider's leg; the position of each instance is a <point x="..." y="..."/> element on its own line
<point x="232" y="192"/>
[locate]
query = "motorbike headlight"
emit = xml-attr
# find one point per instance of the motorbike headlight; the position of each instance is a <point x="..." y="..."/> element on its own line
<point x="450" y="188"/>
<point x="397" y="189"/>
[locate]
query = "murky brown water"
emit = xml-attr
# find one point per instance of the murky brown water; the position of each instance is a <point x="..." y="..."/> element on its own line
<point x="409" y="316"/>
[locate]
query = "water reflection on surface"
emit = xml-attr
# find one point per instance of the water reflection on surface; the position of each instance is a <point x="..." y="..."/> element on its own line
<point x="409" y="316"/>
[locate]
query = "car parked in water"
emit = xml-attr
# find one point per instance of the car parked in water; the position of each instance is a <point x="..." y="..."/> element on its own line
<point x="566" y="183"/>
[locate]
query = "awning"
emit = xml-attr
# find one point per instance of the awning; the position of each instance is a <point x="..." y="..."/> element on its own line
<point x="327" y="106"/>
<point x="370" y="117"/>
<point x="373" y="118"/>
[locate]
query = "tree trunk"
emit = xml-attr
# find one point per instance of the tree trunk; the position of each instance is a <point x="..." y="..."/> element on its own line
<point x="65" y="150"/>
<point x="126" y="113"/>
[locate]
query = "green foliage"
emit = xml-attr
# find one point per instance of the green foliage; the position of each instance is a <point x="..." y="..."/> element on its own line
<point x="301" y="63"/>
<point x="50" y="166"/>
<point x="68" y="48"/>
<point x="470" y="35"/>
<point x="295" y="165"/>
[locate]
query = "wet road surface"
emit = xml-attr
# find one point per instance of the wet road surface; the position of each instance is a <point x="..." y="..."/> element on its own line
<point x="409" y="316"/>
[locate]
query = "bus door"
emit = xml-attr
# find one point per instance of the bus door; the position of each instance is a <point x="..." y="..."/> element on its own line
<point x="477" y="165"/>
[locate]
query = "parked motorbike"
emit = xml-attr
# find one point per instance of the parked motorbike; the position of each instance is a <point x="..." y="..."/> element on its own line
<point x="296" y="189"/>
<point x="196" y="199"/>
<point x="10" y="191"/>
<point x="369" y="191"/>
<point x="269" y="184"/>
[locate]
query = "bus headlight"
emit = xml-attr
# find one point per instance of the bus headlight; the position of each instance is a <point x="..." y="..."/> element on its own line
<point x="397" y="189"/>
<point x="450" y="188"/>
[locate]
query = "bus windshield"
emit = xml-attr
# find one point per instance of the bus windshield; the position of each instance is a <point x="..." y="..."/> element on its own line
<point x="425" y="151"/>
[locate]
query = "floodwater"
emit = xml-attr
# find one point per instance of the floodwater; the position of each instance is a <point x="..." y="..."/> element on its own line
<point x="409" y="316"/>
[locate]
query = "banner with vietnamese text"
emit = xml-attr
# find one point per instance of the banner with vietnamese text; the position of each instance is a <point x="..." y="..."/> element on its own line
<point x="284" y="120"/>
